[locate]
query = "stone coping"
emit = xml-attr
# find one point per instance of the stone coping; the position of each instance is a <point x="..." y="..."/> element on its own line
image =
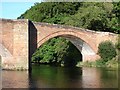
<point x="58" y="26"/>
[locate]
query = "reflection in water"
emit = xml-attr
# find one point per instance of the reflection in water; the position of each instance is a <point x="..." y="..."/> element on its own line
<point x="91" y="78"/>
<point x="108" y="75"/>
<point x="44" y="76"/>
<point x="100" y="77"/>
<point x="56" y="76"/>
<point x="14" y="79"/>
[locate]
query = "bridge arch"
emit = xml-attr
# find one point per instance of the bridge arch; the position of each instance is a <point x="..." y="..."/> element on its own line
<point x="81" y="43"/>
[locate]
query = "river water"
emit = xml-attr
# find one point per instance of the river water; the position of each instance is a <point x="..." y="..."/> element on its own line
<point x="45" y="76"/>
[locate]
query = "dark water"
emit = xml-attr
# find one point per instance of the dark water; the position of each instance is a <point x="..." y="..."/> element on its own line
<point x="58" y="77"/>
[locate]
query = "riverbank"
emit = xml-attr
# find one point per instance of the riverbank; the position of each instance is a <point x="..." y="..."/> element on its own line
<point x="100" y="63"/>
<point x="114" y="63"/>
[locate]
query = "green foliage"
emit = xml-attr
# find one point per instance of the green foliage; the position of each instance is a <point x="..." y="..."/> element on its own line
<point x="87" y="15"/>
<point x="70" y="58"/>
<point x="106" y="50"/>
<point x="85" y="64"/>
<point x="100" y="63"/>
<point x="112" y="63"/>
<point x="90" y="15"/>
<point x="118" y="43"/>
<point x="50" y="11"/>
<point x="56" y="51"/>
<point x="95" y="16"/>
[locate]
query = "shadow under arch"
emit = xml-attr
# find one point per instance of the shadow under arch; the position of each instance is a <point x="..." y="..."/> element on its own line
<point x="70" y="58"/>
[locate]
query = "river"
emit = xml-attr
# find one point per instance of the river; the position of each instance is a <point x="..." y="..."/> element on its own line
<point x="45" y="76"/>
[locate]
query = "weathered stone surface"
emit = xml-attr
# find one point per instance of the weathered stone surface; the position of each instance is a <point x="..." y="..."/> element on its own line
<point x="14" y="44"/>
<point x="20" y="39"/>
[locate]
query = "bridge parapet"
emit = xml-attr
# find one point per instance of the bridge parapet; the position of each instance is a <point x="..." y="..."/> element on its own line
<point x="71" y="27"/>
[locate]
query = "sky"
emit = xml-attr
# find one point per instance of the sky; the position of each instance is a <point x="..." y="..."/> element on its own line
<point x="12" y="10"/>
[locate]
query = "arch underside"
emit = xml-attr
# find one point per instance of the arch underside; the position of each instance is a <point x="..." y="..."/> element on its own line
<point x="87" y="52"/>
<point x="82" y="46"/>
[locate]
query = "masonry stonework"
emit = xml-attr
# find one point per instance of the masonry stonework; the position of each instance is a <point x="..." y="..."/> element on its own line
<point x="20" y="39"/>
<point x="14" y="44"/>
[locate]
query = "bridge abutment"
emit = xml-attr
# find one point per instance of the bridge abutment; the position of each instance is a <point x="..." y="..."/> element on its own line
<point x="14" y="44"/>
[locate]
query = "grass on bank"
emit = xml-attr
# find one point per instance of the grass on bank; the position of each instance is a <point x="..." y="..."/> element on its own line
<point x="100" y="63"/>
<point x="109" y="53"/>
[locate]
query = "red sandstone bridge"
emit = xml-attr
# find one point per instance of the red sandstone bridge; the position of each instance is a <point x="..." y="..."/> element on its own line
<point x="20" y="38"/>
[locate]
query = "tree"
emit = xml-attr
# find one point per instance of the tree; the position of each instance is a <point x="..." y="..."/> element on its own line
<point x="106" y="50"/>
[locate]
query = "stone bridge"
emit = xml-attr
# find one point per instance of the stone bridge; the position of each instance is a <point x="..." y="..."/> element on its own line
<point x="20" y="38"/>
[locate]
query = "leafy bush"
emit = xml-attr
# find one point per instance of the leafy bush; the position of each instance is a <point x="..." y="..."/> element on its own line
<point x="112" y="63"/>
<point x="106" y="50"/>
<point x="100" y="63"/>
<point x="118" y="45"/>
